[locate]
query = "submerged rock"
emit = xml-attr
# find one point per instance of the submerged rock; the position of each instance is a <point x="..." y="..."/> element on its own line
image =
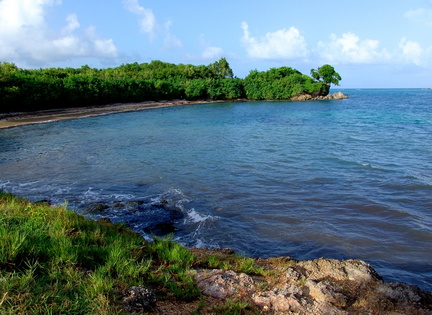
<point x="161" y="229"/>
<point x="97" y="207"/>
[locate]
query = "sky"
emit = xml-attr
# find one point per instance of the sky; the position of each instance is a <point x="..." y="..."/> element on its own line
<point x="370" y="43"/>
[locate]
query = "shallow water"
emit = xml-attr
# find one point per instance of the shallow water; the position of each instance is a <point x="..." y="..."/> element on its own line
<point x="338" y="179"/>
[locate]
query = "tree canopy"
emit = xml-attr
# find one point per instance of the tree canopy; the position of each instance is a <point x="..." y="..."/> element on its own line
<point x="327" y="74"/>
<point x="28" y="90"/>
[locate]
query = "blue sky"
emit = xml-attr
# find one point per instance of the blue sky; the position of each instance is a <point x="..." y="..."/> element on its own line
<point x="370" y="43"/>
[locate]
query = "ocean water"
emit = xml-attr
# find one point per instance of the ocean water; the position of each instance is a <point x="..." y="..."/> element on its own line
<point x="336" y="179"/>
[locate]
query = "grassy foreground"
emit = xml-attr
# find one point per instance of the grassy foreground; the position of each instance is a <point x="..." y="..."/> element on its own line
<point x="54" y="261"/>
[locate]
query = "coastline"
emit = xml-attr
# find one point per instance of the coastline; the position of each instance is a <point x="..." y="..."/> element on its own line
<point x="9" y="120"/>
<point x="15" y="119"/>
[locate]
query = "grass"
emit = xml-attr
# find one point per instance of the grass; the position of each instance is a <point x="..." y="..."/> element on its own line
<point x="54" y="261"/>
<point x="234" y="262"/>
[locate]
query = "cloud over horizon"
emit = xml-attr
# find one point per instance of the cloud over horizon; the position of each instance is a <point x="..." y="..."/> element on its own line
<point x="349" y="48"/>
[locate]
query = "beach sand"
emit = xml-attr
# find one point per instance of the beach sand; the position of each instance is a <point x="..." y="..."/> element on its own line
<point x="8" y="120"/>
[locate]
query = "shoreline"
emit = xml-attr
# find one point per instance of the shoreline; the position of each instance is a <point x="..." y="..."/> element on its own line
<point x="183" y="280"/>
<point x="10" y="120"/>
<point x="15" y="119"/>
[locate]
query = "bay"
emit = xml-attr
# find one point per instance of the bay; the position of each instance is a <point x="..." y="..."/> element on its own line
<point x="337" y="179"/>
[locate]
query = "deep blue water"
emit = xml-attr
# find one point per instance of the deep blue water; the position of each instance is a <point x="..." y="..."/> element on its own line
<point x="336" y="179"/>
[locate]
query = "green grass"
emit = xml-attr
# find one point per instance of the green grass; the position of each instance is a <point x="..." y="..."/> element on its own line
<point x="234" y="262"/>
<point x="54" y="261"/>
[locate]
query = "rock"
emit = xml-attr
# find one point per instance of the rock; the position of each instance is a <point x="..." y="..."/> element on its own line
<point x="401" y="292"/>
<point x="97" y="207"/>
<point x="222" y="284"/>
<point x="338" y="96"/>
<point x="134" y="203"/>
<point x="276" y="301"/>
<point x="162" y="204"/>
<point x="139" y="299"/>
<point x="353" y="270"/>
<point x="308" y="97"/>
<point x="302" y="97"/>
<point x="161" y="229"/>
<point x="326" y="292"/>
<point x="288" y="299"/>
<point x="320" y="286"/>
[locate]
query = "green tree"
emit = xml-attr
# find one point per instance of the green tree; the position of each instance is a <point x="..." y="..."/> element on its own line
<point x="221" y="68"/>
<point x="327" y="75"/>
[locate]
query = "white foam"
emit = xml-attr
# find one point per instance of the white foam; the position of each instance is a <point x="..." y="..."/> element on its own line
<point x="196" y="217"/>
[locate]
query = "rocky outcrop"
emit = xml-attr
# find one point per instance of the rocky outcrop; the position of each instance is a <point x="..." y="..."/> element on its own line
<point x="308" y="97"/>
<point x="320" y="286"/>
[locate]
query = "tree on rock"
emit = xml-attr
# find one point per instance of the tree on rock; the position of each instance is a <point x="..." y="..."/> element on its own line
<point x="327" y="74"/>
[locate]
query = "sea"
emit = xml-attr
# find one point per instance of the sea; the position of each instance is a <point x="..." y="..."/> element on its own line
<point x="342" y="179"/>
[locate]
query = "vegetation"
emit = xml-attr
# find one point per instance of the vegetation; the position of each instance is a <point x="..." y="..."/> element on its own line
<point x="281" y="83"/>
<point x="54" y="261"/>
<point x="29" y="90"/>
<point x="327" y="75"/>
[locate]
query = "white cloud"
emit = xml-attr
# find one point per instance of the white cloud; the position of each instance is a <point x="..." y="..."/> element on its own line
<point x="25" y="36"/>
<point x="423" y="16"/>
<point x="282" y="44"/>
<point x="350" y="49"/>
<point x="149" y="25"/>
<point x="170" y="41"/>
<point x="208" y="52"/>
<point x="73" y="23"/>
<point x="413" y="52"/>
<point x="146" y="20"/>
<point x="212" y="52"/>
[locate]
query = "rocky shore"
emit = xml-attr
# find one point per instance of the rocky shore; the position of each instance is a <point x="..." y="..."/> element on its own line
<point x="83" y="266"/>
<point x="308" y="97"/>
<point x="320" y="286"/>
<point x="283" y="286"/>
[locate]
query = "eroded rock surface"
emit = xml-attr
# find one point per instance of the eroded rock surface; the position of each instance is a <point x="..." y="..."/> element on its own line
<point x="320" y="286"/>
<point x="308" y="97"/>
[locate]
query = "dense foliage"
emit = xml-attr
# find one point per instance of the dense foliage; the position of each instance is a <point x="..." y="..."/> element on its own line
<point x="27" y="90"/>
<point x="281" y="83"/>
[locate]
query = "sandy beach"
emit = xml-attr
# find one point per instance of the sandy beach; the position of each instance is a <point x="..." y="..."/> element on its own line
<point x="8" y="120"/>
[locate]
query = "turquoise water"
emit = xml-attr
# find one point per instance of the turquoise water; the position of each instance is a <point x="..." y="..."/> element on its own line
<point x="336" y="179"/>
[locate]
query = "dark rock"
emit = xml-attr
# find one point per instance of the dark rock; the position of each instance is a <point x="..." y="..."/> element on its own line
<point x="134" y="203"/>
<point x="139" y="299"/>
<point x="118" y="205"/>
<point x="227" y="251"/>
<point x="161" y="229"/>
<point x="97" y="207"/>
<point x="162" y="204"/>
